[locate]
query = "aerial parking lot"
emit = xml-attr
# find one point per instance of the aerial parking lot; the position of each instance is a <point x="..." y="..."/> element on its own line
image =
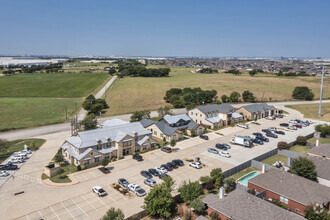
<point x="79" y="202"/>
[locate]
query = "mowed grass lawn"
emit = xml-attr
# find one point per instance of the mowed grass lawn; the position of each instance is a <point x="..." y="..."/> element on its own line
<point x="59" y="85"/>
<point x="28" y="112"/>
<point x="137" y="93"/>
<point x="312" y="111"/>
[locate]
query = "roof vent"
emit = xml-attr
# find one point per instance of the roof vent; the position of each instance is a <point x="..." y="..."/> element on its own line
<point x="281" y="179"/>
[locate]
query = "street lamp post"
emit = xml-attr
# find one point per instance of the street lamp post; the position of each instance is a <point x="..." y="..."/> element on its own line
<point x="321" y="92"/>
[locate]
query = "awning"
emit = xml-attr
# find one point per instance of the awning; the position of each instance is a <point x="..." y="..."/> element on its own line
<point x="96" y="156"/>
<point x="87" y="158"/>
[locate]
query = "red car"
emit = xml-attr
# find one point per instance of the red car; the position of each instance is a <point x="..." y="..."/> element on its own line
<point x="298" y="126"/>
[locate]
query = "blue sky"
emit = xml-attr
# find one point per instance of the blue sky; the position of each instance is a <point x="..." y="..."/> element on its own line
<point x="166" y="28"/>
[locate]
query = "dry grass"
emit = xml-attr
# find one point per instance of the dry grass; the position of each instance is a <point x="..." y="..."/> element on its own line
<point x="137" y="93"/>
<point x="312" y="111"/>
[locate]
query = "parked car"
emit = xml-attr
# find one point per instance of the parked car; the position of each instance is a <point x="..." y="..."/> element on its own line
<point x="263" y="138"/>
<point x="153" y="172"/>
<point x="161" y="169"/>
<point x="257" y="134"/>
<point x="123" y="182"/>
<point x="150" y="182"/>
<point x="279" y="132"/>
<point x="293" y="121"/>
<point x="174" y="165"/>
<point x="272" y="129"/>
<point x="270" y="134"/>
<point x="196" y="165"/>
<point x="163" y="175"/>
<point x="222" y="146"/>
<point x="270" y="117"/>
<point x="4" y="173"/>
<point x="99" y="191"/>
<point x="146" y="174"/>
<point x="257" y="141"/>
<point x="225" y="154"/>
<point x="266" y="130"/>
<point x="178" y="162"/>
<point x="297" y="125"/>
<point x="167" y="167"/>
<point x="242" y="125"/>
<point x="213" y="151"/>
<point x="166" y="149"/>
<point x="203" y="136"/>
<point x="284" y="124"/>
<point x="16" y="160"/>
<point x="280" y="116"/>
<point x="137" y="189"/>
<point x="137" y="157"/>
<point x="8" y="166"/>
<point x="292" y="128"/>
<point x="27" y="151"/>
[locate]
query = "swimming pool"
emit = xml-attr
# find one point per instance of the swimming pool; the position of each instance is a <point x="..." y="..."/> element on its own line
<point x="244" y="180"/>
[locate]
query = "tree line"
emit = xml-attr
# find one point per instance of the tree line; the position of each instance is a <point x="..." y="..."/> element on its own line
<point x="142" y="71"/>
<point x="208" y="70"/>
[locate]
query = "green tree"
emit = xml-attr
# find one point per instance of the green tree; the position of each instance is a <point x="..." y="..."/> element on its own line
<point x="280" y="73"/>
<point x="58" y="158"/>
<point x="162" y="111"/>
<point x="139" y="115"/>
<point x="89" y="122"/>
<point x="96" y="108"/>
<point x="253" y="72"/>
<point x="301" y="140"/>
<point x="217" y="176"/>
<point x="190" y="190"/>
<point x="114" y="214"/>
<point x="112" y="71"/>
<point x="302" y="93"/>
<point x="159" y="201"/>
<point x="32" y="144"/>
<point x="197" y="205"/>
<point x="104" y="162"/>
<point x="173" y="142"/>
<point x="316" y="212"/>
<point x="230" y="184"/>
<point x="303" y="167"/>
<point x="323" y="128"/>
<point x="214" y="216"/>
<point x="205" y="179"/>
<point x="248" y="96"/>
<point x="234" y="97"/>
<point x="225" y="99"/>
<point x="171" y="92"/>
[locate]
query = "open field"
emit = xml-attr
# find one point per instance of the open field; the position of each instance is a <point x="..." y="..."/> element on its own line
<point x="312" y="111"/>
<point x="27" y="112"/>
<point x="130" y="94"/>
<point x="59" y="85"/>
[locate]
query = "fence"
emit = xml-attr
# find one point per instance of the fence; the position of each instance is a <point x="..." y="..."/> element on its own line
<point x="290" y="154"/>
<point x="259" y="165"/>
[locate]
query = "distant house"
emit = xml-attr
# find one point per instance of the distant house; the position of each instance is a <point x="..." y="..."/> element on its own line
<point x="256" y="111"/>
<point x="323" y="150"/>
<point x="172" y="127"/>
<point x="214" y="116"/>
<point x="295" y="192"/>
<point x="115" y="139"/>
<point x="244" y="206"/>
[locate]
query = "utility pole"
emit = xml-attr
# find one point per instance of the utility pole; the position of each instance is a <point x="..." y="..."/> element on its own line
<point x="321" y="92"/>
<point x="66" y="113"/>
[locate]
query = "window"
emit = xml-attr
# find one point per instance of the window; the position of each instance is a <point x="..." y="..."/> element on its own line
<point x="192" y="113"/>
<point x="196" y="114"/>
<point x="284" y="200"/>
<point x="86" y="162"/>
<point x="145" y="146"/>
<point x="174" y="137"/>
<point x="97" y="160"/>
<point x="201" y="115"/>
<point x="161" y="135"/>
<point x="127" y="143"/>
<point x="155" y="132"/>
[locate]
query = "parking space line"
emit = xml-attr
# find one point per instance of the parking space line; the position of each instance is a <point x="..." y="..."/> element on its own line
<point x="79" y="207"/>
<point x="89" y="203"/>
<point x="68" y="211"/>
<point x="84" y="176"/>
<point x="40" y="214"/>
<point x="102" y="202"/>
<point x="113" y="200"/>
<point x="27" y="216"/>
<point x="54" y="212"/>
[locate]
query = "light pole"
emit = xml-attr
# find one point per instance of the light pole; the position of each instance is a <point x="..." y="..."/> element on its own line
<point x="321" y="92"/>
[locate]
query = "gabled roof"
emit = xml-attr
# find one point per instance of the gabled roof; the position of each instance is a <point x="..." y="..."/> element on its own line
<point x="293" y="187"/>
<point x="167" y="130"/>
<point x="224" y="108"/>
<point x="144" y="139"/>
<point x="114" y="122"/>
<point x="322" y="150"/>
<point x="244" y="206"/>
<point x="214" y="120"/>
<point x="146" y="122"/>
<point x="172" y="119"/>
<point x="115" y="133"/>
<point x="322" y="167"/>
<point x="258" y="107"/>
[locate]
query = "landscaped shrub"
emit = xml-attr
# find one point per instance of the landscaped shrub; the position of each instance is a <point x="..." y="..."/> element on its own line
<point x="252" y="191"/>
<point x="301" y="140"/>
<point x="78" y="168"/>
<point x="324" y="129"/>
<point x="278" y="203"/>
<point x="209" y="185"/>
<point x="173" y="143"/>
<point x="283" y="145"/>
<point x="214" y="216"/>
<point x="104" y="162"/>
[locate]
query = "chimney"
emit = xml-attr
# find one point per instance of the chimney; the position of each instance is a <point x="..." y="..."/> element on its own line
<point x="221" y="193"/>
<point x="289" y="162"/>
<point x="263" y="169"/>
<point x="317" y="143"/>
